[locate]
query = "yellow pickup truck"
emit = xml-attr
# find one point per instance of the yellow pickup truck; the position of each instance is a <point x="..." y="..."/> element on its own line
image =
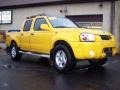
<point x="61" y="40"/>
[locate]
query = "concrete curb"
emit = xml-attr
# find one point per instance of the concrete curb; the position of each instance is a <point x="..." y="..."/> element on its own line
<point x="2" y="46"/>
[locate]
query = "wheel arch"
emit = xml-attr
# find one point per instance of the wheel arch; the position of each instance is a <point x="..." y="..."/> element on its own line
<point x="63" y="43"/>
<point x="13" y="41"/>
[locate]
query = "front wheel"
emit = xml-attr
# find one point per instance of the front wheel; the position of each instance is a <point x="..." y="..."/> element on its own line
<point x="63" y="59"/>
<point x="98" y="62"/>
<point x="14" y="52"/>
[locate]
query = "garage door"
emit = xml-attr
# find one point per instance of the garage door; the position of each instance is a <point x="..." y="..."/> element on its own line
<point x="87" y="21"/>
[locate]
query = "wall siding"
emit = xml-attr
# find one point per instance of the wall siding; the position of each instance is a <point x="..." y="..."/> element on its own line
<point x="73" y="9"/>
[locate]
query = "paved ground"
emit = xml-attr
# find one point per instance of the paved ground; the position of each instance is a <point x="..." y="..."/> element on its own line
<point x="2" y="45"/>
<point x="33" y="73"/>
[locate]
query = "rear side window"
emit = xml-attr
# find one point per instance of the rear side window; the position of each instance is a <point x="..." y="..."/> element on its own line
<point x="27" y="25"/>
<point x="38" y="23"/>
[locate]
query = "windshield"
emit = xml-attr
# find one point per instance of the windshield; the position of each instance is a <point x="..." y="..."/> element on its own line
<point x="61" y="23"/>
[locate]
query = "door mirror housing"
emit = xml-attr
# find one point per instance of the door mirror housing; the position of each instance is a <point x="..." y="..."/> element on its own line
<point x="44" y="27"/>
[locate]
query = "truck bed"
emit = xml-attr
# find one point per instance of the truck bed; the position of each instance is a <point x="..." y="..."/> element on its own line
<point x="10" y="35"/>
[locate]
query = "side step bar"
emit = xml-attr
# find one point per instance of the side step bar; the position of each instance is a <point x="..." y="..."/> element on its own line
<point x="35" y="54"/>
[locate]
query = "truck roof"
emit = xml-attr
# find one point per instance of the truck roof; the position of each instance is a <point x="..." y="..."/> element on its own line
<point x="33" y="16"/>
<point x="43" y="14"/>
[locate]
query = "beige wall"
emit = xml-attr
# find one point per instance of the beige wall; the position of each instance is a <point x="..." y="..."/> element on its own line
<point x="117" y="22"/>
<point x="73" y="9"/>
<point x="92" y="8"/>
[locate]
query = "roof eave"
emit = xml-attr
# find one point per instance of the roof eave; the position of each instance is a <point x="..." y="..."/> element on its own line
<point x="51" y="3"/>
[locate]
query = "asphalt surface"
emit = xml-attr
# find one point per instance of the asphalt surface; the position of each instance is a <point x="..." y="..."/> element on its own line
<point x="35" y="73"/>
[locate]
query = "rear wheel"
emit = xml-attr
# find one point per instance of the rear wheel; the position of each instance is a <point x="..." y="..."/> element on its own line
<point x="63" y="59"/>
<point x="14" y="52"/>
<point x="98" y="62"/>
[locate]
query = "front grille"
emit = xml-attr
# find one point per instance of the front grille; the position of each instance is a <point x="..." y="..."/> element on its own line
<point x="105" y="37"/>
<point x="107" y="49"/>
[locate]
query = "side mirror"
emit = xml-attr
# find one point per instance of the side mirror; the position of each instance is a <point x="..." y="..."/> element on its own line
<point x="44" y="27"/>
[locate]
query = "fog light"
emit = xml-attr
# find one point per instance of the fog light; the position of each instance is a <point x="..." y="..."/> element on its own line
<point x="92" y="53"/>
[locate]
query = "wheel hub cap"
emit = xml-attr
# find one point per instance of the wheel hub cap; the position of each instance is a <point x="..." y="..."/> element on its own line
<point x="13" y="52"/>
<point x="61" y="59"/>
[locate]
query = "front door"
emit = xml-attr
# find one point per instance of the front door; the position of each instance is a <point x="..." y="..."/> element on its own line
<point x="40" y="40"/>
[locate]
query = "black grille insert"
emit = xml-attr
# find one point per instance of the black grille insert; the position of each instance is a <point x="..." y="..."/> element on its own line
<point x="105" y="37"/>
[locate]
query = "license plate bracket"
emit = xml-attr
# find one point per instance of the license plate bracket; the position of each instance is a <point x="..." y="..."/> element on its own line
<point x="108" y="52"/>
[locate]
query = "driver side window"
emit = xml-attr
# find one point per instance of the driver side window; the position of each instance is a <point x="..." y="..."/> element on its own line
<point x="38" y="23"/>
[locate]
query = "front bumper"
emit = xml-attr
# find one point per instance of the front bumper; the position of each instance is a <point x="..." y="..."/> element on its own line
<point x="93" y="50"/>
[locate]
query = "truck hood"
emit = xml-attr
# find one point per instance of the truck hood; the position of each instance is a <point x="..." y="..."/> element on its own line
<point x="73" y="34"/>
<point x="82" y="30"/>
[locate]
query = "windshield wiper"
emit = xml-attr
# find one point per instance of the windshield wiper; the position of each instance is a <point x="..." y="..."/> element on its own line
<point x="62" y="27"/>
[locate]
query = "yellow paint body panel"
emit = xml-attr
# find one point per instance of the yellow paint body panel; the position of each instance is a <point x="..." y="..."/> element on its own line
<point x="43" y="41"/>
<point x="82" y="49"/>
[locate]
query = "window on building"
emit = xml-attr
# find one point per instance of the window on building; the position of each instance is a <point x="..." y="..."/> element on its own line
<point x="88" y="21"/>
<point x="6" y="17"/>
<point x="0" y="17"/>
<point x="27" y="25"/>
<point x="38" y="23"/>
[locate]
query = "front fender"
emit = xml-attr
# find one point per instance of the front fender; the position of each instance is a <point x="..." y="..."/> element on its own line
<point x="67" y="37"/>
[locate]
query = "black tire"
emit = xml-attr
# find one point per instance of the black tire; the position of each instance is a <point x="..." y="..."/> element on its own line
<point x="14" y="52"/>
<point x="68" y="62"/>
<point x="99" y="62"/>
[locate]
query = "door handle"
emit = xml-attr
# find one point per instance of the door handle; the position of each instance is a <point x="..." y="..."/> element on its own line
<point x="7" y="36"/>
<point x="32" y="33"/>
<point x="22" y="34"/>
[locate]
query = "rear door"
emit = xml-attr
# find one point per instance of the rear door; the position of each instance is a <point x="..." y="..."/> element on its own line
<point x="25" y="35"/>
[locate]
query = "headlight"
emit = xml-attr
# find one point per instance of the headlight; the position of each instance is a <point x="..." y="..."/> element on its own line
<point x="87" y="37"/>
